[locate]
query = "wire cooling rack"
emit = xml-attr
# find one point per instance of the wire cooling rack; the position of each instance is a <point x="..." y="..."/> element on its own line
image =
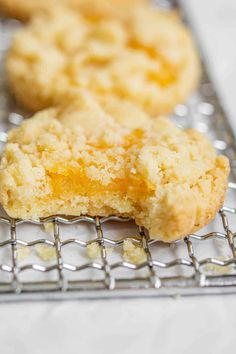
<point x="202" y="263"/>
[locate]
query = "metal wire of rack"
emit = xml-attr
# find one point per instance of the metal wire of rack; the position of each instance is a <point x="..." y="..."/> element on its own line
<point x="192" y="266"/>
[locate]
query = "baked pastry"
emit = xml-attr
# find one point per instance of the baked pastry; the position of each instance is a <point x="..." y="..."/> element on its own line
<point x="62" y="162"/>
<point x="25" y="9"/>
<point x="149" y="59"/>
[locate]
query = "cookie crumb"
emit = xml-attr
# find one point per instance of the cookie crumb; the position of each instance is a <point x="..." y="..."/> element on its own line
<point x="176" y="297"/>
<point x="48" y="227"/>
<point x="133" y="253"/>
<point x="23" y="253"/>
<point x="214" y="269"/>
<point x="93" y="250"/>
<point x="45" y="252"/>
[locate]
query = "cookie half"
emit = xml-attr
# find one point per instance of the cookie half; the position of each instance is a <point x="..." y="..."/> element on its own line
<point x="148" y="59"/>
<point x="78" y="159"/>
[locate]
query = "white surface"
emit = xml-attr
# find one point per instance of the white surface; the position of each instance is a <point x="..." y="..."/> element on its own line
<point x="163" y="326"/>
<point x="185" y="325"/>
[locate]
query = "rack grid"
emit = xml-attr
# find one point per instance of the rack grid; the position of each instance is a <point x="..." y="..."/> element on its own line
<point x="202" y="263"/>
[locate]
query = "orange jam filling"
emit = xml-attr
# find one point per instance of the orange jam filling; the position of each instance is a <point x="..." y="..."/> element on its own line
<point x="68" y="181"/>
<point x="74" y="182"/>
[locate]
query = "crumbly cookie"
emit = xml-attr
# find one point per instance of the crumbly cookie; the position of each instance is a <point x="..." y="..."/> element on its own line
<point x="61" y="162"/>
<point x="25" y="9"/>
<point x="148" y="59"/>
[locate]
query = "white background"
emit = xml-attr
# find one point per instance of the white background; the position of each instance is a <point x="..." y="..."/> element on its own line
<point x="179" y="326"/>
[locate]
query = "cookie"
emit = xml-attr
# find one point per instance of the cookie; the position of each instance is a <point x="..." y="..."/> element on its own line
<point x="61" y="162"/>
<point x="25" y="9"/>
<point x="154" y="66"/>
